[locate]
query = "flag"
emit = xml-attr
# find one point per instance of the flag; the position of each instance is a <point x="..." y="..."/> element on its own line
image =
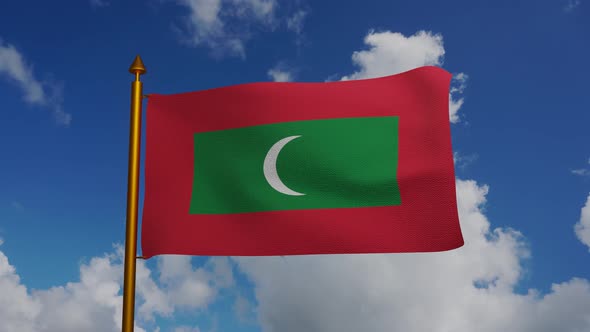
<point x="261" y="169"/>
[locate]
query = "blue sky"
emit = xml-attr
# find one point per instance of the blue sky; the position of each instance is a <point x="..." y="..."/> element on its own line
<point x="519" y="103"/>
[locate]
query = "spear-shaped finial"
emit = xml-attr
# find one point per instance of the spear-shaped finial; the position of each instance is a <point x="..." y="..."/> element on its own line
<point x="137" y="66"/>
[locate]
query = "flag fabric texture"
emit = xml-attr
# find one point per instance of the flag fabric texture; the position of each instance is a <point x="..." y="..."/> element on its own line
<point x="261" y="169"/>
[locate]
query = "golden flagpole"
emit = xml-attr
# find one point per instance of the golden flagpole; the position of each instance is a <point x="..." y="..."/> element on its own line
<point x="137" y="68"/>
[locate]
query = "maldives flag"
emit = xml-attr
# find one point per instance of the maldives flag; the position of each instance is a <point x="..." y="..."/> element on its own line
<point x="259" y="169"/>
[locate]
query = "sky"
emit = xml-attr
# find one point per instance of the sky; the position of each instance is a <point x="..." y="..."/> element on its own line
<point x="519" y="113"/>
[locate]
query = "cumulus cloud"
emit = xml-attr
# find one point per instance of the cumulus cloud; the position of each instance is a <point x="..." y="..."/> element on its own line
<point x="222" y="25"/>
<point x="472" y="288"/>
<point x="14" y="67"/>
<point x="186" y="286"/>
<point x="468" y="289"/>
<point x="279" y="75"/>
<point x="17" y="309"/>
<point x="282" y="72"/>
<point x="582" y="228"/>
<point x="91" y="304"/>
<point x="391" y="53"/>
<point x="94" y="302"/>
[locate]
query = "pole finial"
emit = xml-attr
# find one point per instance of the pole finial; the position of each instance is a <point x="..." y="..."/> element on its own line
<point x="137" y="66"/>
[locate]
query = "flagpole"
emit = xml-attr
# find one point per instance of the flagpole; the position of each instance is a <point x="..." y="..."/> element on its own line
<point x="137" y="68"/>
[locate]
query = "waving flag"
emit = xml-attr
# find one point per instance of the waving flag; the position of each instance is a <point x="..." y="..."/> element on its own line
<point x="302" y="168"/>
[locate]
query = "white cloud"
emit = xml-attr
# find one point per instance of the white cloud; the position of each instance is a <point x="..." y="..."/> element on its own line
<point x="279" y="75"/>
<point x="458" y="85"/>
<point x="467" y="289"/>
<point x="391" y="53"/>
<point x="261" y="9"/>
<point x="582" y="228"/>
<point x="191" y="288"/>
<point x="155" y="299"/>
<point x="204" y="15"/>
<point x="571" y="5"/>
<point x="463" y="160"/>
<point x="14" y="67"/>
<point x="94" y="302"/>
<point x="282" y="72"/>
<point x="209" y="22"/>
<point x="461" y="79"/>
<point x="222" y="271"/>
<point x="17" y="309"/>
<point x="582" y="171"/>
<point x="244" y="309"/>
<point x="295" y="22"/>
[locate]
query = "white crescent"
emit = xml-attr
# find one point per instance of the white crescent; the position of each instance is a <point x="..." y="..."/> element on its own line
<point x="270" y="167"/>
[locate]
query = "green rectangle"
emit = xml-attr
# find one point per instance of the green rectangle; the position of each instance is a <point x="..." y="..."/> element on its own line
<point x="332" y="163"/>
